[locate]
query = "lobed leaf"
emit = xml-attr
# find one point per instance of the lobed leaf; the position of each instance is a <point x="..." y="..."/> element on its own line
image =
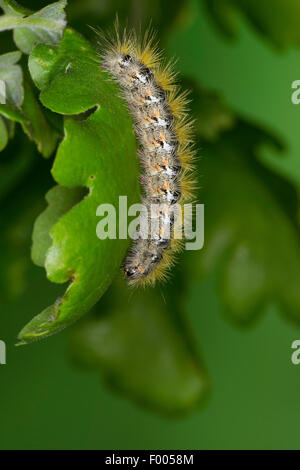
<point x="99" y="153"/>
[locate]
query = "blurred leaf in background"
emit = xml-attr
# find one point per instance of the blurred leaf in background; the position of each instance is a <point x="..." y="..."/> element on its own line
<point x="163" y="15"/>
<point x="15" y="161"/>
<point x="21" y="200"/>
<point x="252" y="235"/>
<point x="278" y="20"/>
<point x="140" y="343"/>
<point x="212" y="115"/>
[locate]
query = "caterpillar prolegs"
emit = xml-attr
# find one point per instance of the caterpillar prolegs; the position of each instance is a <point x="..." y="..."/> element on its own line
<point x="163" y="129"/>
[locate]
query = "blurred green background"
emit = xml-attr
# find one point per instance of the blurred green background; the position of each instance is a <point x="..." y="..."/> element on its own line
<point x="244" y="335"/>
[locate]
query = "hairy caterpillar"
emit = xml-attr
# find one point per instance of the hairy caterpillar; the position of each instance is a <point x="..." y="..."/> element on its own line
<point x="163" y="130"/>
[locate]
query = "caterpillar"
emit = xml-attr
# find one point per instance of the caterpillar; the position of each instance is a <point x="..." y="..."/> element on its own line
<point x="164" y="133"/>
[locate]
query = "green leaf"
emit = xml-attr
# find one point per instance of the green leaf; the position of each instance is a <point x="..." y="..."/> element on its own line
<point x="3" y="134"/>
<point x="68" y="75"/>
<point x="20" y="105"/>
<point x="36" y="125"/>
<point x="11" y="75"/>
<point x="141" y="351"/>
<point x="11" y="7"/>
<point x="98" y="152"/>
<point x="60" y="200"/>
<point x="279" y="22"/>
<point x="11" y="92"/>
<point x="251" y="228"/>
<point x="33" y="121"/>
<point x="11" y="126"/>
<point x="45" y="26"/>
<point x="25" y="40"/>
